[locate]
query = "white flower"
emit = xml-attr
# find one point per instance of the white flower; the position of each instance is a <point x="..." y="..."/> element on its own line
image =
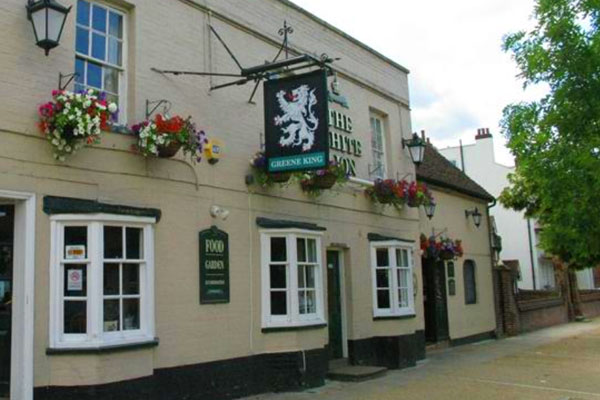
<point x="87" y="103"/>
<point x="112" y="108"/>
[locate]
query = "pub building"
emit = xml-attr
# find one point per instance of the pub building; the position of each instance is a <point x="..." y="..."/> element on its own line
<point x="129" y="270"/>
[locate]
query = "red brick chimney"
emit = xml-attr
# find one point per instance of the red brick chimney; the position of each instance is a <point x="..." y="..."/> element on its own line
<point x="483" y="133"/>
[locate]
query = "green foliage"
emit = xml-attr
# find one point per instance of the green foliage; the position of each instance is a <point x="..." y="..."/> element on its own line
<point x="556" y="140"/>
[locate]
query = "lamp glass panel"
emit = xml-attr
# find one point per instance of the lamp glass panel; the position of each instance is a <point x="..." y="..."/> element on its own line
<point x="416" y="152"/>
<point x="39" y="24"/>
<point x="55" y="23"/>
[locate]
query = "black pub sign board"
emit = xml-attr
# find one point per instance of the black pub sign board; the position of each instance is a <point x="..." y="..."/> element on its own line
<point x="296" y="122"/>
<point x="214" y="266"/>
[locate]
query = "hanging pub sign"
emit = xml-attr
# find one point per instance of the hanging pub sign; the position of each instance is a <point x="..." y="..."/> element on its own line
<point x="214" y="266"/>
<point x="296" y="122"/>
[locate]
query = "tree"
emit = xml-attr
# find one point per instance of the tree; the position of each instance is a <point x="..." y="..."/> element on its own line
<point x="556" y="139"/>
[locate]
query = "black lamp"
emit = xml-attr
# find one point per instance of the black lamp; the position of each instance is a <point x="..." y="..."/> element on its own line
<point x="429" y="209"/>
<point x="416" y="148"/>
<point x="48" y="19"/>
<point x="476" y="216"/>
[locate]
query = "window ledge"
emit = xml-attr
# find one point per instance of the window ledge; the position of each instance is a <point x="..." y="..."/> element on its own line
<point x="112" y="348"/>
<point x="393" y="317"/>
<point x="293" y="328"/>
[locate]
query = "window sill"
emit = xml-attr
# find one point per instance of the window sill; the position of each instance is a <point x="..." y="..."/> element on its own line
<point x="393" y="317"/>
<point x="288" y="328"/>
<point x="111" y="348"/>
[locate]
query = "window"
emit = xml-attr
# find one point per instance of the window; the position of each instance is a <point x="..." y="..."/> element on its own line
<point x="470" y="282"/>
<point x="102" y="276"/>
<point x="596" y="273"/>
<point x="378" y="169"/>
<point x="291" y="276"/>
<point x="392" y="265"/>
<point x="100" y="60"/>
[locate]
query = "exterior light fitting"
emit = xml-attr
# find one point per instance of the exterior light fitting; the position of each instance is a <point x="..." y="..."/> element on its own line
<point x="429" y="209"/>
<point x="476" y="216"/>
<point x="416" y="148"/>
<point x="48" y="20"/>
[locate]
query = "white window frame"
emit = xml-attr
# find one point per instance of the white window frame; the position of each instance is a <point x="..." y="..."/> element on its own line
<point x="95" y="336"/>
<point x="395" y="310"/>
<point x="122" y="95"/>
<point x="378" y="173"/>
<point x="293" y="318"/>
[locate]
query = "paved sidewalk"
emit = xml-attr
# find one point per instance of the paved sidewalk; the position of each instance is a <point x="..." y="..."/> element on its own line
<point x="559" y="363"/>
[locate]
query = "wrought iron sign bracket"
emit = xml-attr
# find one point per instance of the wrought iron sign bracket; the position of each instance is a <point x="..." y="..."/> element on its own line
<point x="61" y="77"/>
<point x="265" y="71"/>
<point x="156" y="104"/>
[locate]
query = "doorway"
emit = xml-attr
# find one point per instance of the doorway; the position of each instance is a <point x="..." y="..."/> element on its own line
<point x="335" y="305"/>
<point x="435" y="300"/>
<point x="7" y="221"/>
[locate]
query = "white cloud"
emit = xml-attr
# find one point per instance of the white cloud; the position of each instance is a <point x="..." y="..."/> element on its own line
<point x="460" y="77"/>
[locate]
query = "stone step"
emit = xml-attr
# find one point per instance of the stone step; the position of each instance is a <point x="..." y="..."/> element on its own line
<point x="355" y="373"/>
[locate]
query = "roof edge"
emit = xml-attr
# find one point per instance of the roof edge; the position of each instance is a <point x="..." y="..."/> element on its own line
<point x="345" y="35"/>
<point x="456" y="188"/>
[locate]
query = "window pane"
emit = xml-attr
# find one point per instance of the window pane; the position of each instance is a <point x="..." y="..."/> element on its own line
<point x="82" y="41"/>
<point x="131" y="279"/>
<point x="79" y="70"/>
<point x="311" y="302"/>
<point x="134" y="242"/>
<point x="278" y="303"/>
<point x="403" y="298"/>
<point x="83" y="13"/>
<point x="113" y="242"/>
<point x="99" y="18"/>
<point x="278" y="249"/>
<point x="114" y="51"/>
<point x="383" y="280"/>
<point x="278" y="277"/>
<point x="470" y="282"/>
<point x="75" y="314"/>
<point x="302" y="302"/>
<point x="383" y="299"/>
<point x="115" y="25"/>
<point x="75" y="281"/>
<point x="75" y="236"/>
<point x="94" y="75"/>
<point x="301" y="276"/>
<point x="301" y="249"/>
<point x="111" y="80"/>
<point x="111" y="279"/>
<point x="405" y="258"/>
<point x="312" y="250"/>
<point x="131" y="314"/>
<point x="111" y="316"/>
<point x="382" y="258"/>
<point x="98" y="46"/>
<point x="310" y="276"/>
<point x="402" y="278"/>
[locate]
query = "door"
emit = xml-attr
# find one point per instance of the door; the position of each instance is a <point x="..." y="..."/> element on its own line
<point x="435" y="300"/>
<point x="334" y="305"/>
<point x="6" y="267"/>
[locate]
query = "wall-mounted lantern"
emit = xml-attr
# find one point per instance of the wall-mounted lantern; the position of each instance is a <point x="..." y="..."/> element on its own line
<point x="416" y="148"/>
<point x="48" y="19"/>
<point x="476" y="216"/>
<point x="429" y="209"/>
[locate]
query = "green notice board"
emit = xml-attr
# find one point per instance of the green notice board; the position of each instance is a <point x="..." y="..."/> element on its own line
<point x="214" y="266"/>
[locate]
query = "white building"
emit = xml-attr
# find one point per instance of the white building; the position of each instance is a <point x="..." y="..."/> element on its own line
<point x="519" y="236"/>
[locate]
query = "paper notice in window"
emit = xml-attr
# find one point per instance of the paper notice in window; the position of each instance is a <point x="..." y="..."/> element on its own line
<point x="74" y="280"/>
<point x="75" y="252"/>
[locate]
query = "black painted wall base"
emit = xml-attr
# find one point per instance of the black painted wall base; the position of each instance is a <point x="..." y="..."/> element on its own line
<point x="393" y="352"/>
<point x="219" y="380"/>
<point x="473" y="338"/>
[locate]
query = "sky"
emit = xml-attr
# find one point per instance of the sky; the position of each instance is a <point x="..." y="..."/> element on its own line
<point x="460" y="79"/>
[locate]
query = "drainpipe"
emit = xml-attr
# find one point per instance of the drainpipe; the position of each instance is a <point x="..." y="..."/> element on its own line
<point x="531" y="253"/>
<point x="462" y="162"/>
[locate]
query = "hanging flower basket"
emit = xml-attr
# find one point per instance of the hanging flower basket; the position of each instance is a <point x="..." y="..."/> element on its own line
<point x="399" y="193"/>
<point x="314" y="182"/>
<point x="442" y="249"/>
<point x="164" y="137"/>
<point x="168" y="151"/>
<point x="72" y="120"/>
<point x="446" y="255"/>
<point x="280" y="177"/>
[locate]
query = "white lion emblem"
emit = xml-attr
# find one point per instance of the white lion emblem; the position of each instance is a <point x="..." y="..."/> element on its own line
<point x="298" y="114"/>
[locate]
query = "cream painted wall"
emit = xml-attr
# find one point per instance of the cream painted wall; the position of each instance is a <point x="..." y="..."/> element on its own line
<point x="465" y="319"/>
<point x="173" y="34"/>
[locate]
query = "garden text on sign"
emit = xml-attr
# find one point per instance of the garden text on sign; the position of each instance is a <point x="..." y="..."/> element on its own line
<point x="214" y="266"/>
